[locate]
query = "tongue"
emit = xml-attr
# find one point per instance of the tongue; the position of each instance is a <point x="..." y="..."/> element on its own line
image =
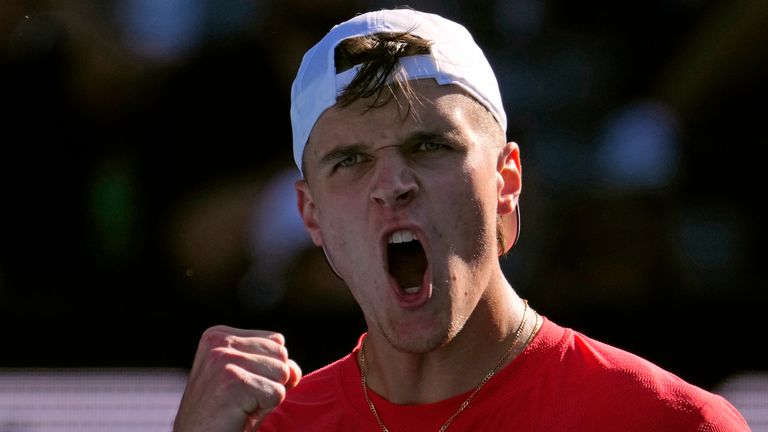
<point x="407" y="263"/>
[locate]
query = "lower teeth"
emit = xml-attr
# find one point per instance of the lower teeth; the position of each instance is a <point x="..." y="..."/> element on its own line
<point x="411" y="290"/>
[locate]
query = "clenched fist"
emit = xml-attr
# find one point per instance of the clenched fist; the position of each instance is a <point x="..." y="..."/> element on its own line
<point x="238" y="377"/>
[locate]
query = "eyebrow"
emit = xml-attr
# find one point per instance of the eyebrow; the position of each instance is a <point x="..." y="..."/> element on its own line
<point x="341" y="152"/>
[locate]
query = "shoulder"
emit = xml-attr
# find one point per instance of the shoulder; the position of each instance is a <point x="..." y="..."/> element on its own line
<point x="586" y="357"/>
<point x="597" y="362"/>
<point x="597" y="376"/>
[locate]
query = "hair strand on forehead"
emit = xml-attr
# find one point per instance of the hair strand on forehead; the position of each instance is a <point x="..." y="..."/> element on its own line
<point x="378" y="56"/>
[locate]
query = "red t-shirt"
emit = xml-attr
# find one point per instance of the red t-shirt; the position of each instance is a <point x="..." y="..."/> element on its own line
<point x="563" y="381"/>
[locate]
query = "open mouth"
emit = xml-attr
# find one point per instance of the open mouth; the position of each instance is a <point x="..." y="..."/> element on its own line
<point x="407" y="261"/>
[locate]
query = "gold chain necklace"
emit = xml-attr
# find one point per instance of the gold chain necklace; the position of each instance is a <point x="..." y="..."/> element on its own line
<point x="491" y="373"/>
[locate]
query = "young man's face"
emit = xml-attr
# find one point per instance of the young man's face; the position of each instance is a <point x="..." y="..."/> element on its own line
<point x="378" y="178"/>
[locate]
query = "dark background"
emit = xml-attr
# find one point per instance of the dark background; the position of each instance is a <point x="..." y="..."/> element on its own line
<point x="139" y="140"/>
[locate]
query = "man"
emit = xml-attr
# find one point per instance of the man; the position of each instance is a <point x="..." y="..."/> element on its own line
<point x="411" y="189"/>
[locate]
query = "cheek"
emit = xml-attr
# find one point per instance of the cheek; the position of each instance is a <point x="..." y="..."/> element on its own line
<point x="330" y="223"/>
<point x="476" y="197"/>
<point x="338" y="223"/>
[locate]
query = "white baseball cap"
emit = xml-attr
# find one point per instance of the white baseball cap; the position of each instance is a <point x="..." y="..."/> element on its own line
<point x="454" y="58"/>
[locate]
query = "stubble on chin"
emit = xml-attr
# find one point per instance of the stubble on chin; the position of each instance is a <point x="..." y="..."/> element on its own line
<point x="414" y="340"/>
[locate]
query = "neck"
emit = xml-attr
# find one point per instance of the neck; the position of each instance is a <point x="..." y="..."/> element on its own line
<point x="457" y="366"/>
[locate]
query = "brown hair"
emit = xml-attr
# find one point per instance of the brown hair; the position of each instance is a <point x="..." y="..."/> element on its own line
<point x="378" y="55"/>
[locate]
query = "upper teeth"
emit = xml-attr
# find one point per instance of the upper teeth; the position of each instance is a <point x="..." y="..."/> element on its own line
<point x="401" y="236"/>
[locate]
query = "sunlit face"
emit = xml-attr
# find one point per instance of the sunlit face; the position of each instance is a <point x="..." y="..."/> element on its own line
<point x="405" y="205"/>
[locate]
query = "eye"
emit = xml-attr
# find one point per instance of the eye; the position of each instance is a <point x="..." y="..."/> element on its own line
<point x="350" y="160"/>
<point x="428" y="146"/>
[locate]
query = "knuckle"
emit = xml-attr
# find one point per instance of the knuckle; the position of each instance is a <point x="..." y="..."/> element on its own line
<point x="222" y="355"/>
<point x="218" y="336"/>
<point x="284" y="354"/>
<point x="264" y="393"/>
<point x="282" y="373"/>
<point x="279" y="394"/>
<point x="277" y="337"/>
<point x="234" y="376"/>
<point x="280" y="353"/>
<point x="276" y="370"/>
<point x="263" y="390"/>
<point x="213" y="336"/>
<point x="272" y="395"/>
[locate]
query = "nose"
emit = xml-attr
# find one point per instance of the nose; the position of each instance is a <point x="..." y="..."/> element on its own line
<point x="393" y="183"/>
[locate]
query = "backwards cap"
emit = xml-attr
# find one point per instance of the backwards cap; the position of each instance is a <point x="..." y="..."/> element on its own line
<point x="454" y="58"/>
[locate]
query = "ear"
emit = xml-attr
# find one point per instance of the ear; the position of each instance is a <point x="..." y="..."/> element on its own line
<point x="508" y="178"/>
<point x="308" y="211"/>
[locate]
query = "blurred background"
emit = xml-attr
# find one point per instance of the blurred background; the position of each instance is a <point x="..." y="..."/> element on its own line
<point x="146" y="179"/>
